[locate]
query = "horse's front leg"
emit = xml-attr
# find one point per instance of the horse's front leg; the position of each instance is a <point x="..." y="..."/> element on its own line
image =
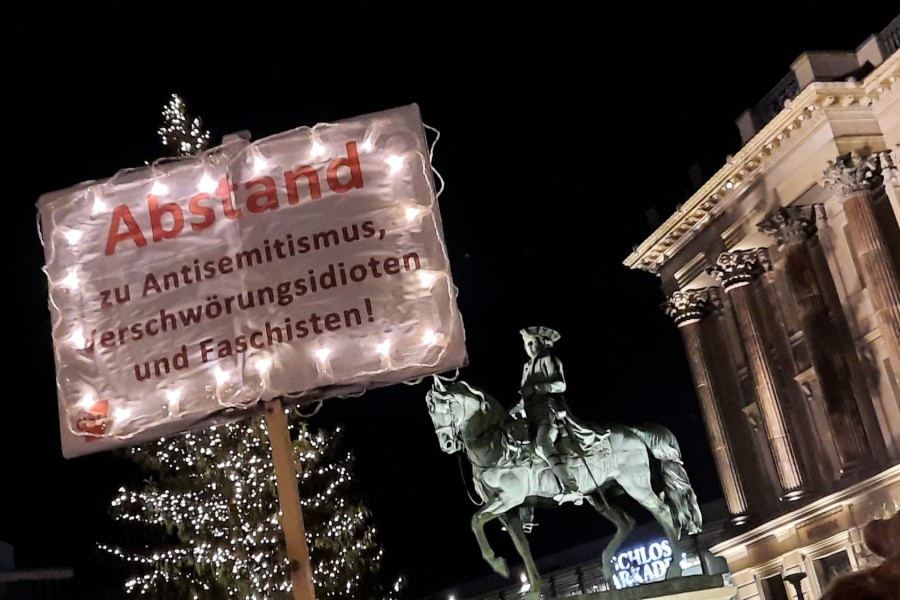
<point x="514" y="527"/>
<point x="491" y="511"/>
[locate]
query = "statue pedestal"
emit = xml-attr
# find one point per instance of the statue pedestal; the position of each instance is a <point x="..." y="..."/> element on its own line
<point x="693" y="587"/>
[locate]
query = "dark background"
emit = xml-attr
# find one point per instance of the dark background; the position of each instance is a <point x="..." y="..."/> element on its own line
<point x="559" y="130"/>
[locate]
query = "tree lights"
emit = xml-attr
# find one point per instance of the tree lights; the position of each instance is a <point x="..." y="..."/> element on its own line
<point x="212" y="500"/>
<point x="181" y="133"/>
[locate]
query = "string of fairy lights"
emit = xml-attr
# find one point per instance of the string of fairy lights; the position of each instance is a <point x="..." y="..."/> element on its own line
<point x="94" y="410"/>
<point x="214" y="495"/>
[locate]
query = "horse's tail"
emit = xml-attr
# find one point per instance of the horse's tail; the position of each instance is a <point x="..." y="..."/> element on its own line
<point x="677" y="491"/>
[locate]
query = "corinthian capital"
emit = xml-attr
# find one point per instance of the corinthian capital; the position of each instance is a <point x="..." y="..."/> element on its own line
<point x="735" y="269"/>
<point x="853" y="172"/>
<point x="690" y="306"/>
<point x="791" y="224"/>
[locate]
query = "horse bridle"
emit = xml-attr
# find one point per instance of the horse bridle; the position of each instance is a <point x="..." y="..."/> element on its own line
<point x="455" y="431"/>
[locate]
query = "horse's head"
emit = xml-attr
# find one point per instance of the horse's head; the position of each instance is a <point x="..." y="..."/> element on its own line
<point x="451" y="405"/>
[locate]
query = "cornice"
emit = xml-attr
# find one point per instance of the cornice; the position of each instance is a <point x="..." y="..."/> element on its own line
<point x="724" y="187"/>
<point x="886" y="478"/>
<point x="882" y="83"/>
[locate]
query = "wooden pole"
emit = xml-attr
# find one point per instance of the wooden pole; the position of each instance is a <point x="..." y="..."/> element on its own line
<point x="289" y="499"/>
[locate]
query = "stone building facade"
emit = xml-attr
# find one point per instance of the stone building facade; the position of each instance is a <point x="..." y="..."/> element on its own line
<point x="781" y="273"/>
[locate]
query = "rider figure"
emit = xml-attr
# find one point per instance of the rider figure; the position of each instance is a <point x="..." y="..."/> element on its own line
<point x="542" y="386"/>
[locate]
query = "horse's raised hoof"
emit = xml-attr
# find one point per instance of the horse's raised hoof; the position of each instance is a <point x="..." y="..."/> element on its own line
<point x="498" y="564"/>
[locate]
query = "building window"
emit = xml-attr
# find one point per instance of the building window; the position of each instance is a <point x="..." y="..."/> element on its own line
<point x="773" y="588"/>
<point x="829" y="567"/>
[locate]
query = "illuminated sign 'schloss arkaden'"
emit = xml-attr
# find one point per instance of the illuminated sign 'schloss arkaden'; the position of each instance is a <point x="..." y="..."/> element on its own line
<point x="642" y="564"/>
<point x="310" y="263"/>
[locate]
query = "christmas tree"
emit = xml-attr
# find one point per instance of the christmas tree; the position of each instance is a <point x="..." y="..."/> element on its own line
<point x="207" y="514"/>
<point x="181" y="134"/>
<point x="210" y="508"/>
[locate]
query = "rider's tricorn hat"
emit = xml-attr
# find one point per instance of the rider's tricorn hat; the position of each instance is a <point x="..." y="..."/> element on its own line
<point x="545" y="333"/>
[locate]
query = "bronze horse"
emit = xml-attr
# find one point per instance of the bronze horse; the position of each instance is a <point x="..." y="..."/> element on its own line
<point x="512" y="482"/>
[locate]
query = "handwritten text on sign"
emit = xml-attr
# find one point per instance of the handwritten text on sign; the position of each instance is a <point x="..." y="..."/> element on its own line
<point x="311" y="263"/>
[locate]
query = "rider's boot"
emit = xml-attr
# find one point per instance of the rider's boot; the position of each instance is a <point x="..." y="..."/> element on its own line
<point x="526" y="515"/>
<point x="568" y="484"/>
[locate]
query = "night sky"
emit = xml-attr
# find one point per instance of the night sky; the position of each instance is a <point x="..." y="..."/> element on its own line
<point x="558" y="133"/>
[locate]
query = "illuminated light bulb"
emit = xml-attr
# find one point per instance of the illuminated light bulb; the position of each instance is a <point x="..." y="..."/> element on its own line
<point x="207" y="184"/>
<point x="174" y="402"/>
<point x="77" y="339"/>
<point x="427" y="278"/>
<point x="220" y="375"/>
<point x="70" y="280"/>
<point x="263" y="365"/>
<point x="323" y="353"/>
<point x="384" y="348"/>
<point x="159" y="188"/>
<point x="412" y="212"/>
<point x="395" y="162"/>
<point x="86" y="402"/>
<point x="98" y="206"/>
<point x="729" y="185"/>
<point x="260" y="164"/>
<point x="72" y="236"/>
<point x="429" y="337"/>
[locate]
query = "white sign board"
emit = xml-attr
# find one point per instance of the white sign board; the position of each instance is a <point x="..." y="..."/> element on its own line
<point x="310" y="263"/>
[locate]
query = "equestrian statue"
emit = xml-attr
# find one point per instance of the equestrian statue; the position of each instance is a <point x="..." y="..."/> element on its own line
<point x="538" y="454"/>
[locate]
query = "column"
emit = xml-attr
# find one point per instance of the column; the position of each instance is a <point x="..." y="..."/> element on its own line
<point x="792" y="227"/>
<point x="737" y="270"/>
<point x="859" y="179"/>
<point x="688" y="308"/>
